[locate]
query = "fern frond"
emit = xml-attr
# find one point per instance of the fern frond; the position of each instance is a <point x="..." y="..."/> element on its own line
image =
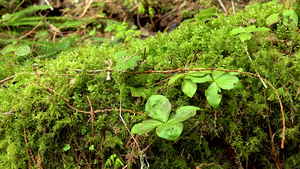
<point x="12" y="17"/>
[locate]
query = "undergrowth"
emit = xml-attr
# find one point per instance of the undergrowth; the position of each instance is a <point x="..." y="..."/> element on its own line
<point x="51" y="104"/>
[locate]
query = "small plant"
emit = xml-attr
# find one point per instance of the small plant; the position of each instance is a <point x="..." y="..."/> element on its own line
<point x="114" y="162"/>
<point x="220" y="80"/>
<point x="245" y="33"/>
<point x="287" y="16"/>
<point x="122" y="30"/>
<point x="11" y="51"/>
<point x="124" y="63"/>
<point x="168" y="126"/>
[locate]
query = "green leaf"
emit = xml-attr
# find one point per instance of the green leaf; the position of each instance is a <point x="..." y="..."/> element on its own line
<point x="145" y="127"/>
<point x="239" y="85"/>
<point x="237" y="31"/>
<point x="197" y="73"/>
<point x="183" y="113"/>
<point x="189" y="87"/>
<point x="22" y="50"/>
<point x="119" y="54"/>
<point x="212" y="95"/>
<point x="290" y="16"/>
<point x="174" y="78"/>
<point x="274" y="18"/>
<point x="169" y="131"/>
<point x="119" y="163"/>
<point x="262" y="29"/>
<point x="138" y="92"/>
<point x="227" y="81"/>
<point x="158" y="107"/>
<point x="207" y="13"/>
<point x="203" y="79"/>
<point x="67" y="147"/>
<point x="92" y="147"/>
<point x="217" y="73"/>
<point x="245" y="36"/>
<point x="250" y="29"/>
<point x="130" y="63"/>
<point x="116" y="41"/>
<point x="7" y="49"/>
<point x="236" y="73"/>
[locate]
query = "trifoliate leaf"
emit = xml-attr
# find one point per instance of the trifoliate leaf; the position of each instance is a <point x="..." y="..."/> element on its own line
<point x="237" y="31"/>
<point x="189" y="87"/>
<point x="145" y="127"/>
<point x="174" y="78"/>
<point x="274" y="18"/>
<point x="245" y="36"/>
<point x="227" y="81"/>
<point x="212" y="95"/>
<point x="22" y="50"/>
<point x="169" y="131"/>
<point x="158" y="107"/>
<point x="183" y="113"/>
<point x="202" y="79"/>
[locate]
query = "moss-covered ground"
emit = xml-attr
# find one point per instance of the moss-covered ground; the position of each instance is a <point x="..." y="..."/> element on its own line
<point x="65" y="112"/>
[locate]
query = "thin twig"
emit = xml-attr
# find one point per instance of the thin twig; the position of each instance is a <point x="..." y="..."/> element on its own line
<point x="32" y="30"/>
<point x="297" y="93"/>
<point x="233" y="8"/>
<point x="49" y="4"/>
<point x="6" y="79"/>
<point x="86" y="8"/>
<point x="92" y="115"/>
<point x="26" y="143"/>
<point x="222" y="5"/>
<point x="246" y="49"/>
<point x="133" y="54"/>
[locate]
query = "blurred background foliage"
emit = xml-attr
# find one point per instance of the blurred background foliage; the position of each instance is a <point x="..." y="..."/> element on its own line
<point x="51" y="26"/>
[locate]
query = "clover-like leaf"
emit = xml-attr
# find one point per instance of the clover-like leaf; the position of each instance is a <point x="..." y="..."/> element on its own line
<point x="174" y="78"/>
<point x="22" y="50"/>
<point x="227" y="81"/>
<point x="169" y="131"/>
<point x="212" y="95"/>
<point x="290" y="16"/>
<point x="183" y="113"/>
<point x="251" y="28"/>
<point x="202" y="79"/>
<point x="245" y="36"/>
<point x="274" y="18"/>
<point x="216" y="73"/>
<point x="66" y="147"/>
<point x="119" y="54"/>
<point x="197" y="73"/>
<point x="237" y="31"/>
<point x="207" y="13"/>
<point x="189" y="87"/>
<point x="7" y="49"/>
<point x="158" y="107"/>
<point x="146" y="126"/>
<point x="128" y="63"/>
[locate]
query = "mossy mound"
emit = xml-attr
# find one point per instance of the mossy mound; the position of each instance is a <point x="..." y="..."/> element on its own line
<point x="46" y="119"/>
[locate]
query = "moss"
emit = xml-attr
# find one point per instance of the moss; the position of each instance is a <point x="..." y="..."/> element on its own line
<point x="238" y="130"/>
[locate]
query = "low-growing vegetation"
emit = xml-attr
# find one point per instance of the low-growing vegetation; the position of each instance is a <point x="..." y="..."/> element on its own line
<point x="220" y="92"/>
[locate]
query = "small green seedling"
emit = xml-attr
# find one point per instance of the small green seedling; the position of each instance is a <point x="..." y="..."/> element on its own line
<point x="21" y="50"/>
<point x="245" y="33"/>
<point x="287" y="16"/>
<point x="114" y="162"/>
<point x="220" y="80"/>
<point x="168" y="126"/>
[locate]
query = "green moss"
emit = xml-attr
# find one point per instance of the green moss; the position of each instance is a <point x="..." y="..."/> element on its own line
<point x="238" y="129"/>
